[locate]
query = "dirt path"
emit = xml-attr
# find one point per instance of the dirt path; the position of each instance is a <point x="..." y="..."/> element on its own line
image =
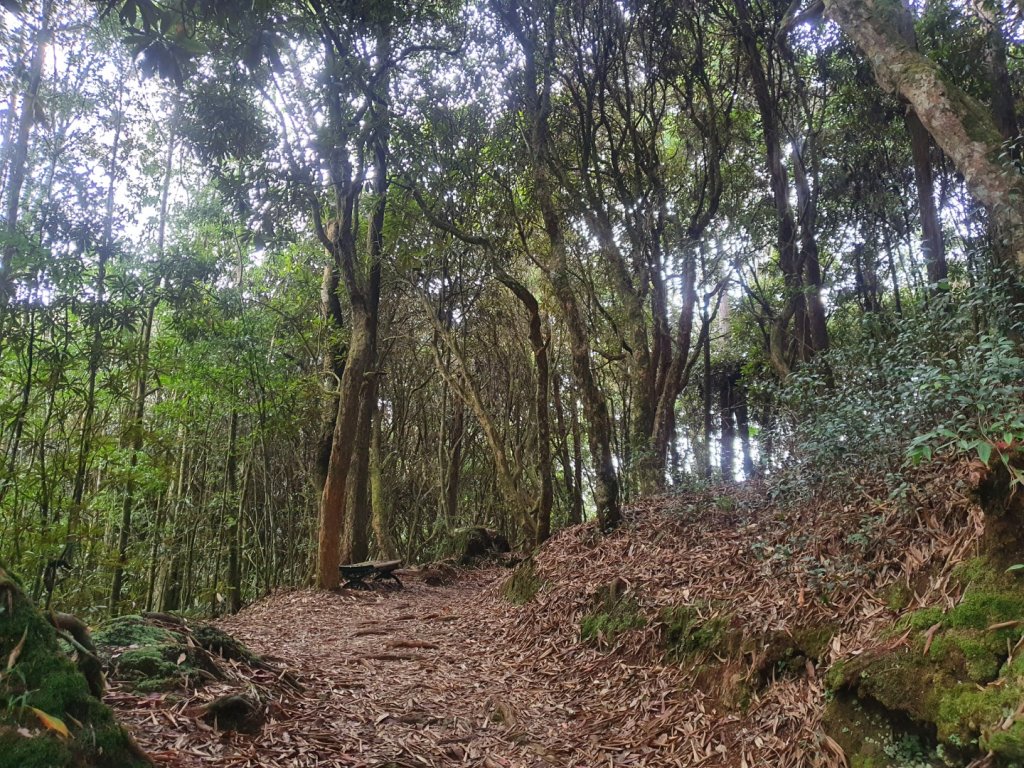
<point x="458" y="676"/>
<point x="418" y="677"/>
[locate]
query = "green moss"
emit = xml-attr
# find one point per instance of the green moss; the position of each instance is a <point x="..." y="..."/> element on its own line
<point x="974" y="571"/>
<point x="898" y="597"/>
<point x="964" y="688"/>
<point x="814" y="642"/>
<point x="156" y="667"/>
<point x="605" y="626"/>
<point x="836" y="676"/>
<point x="687" y="632"/>
<point x="919" y="620"/>
<point x="1008" y="744"/>
<point x="45" y="678"/>
<point x="902" y="681"/>
<point x="965" y="710"/>
<point x="124" y="631"/>
<point x="17" y="751"/>
<point x="523" y="585"/>
<point x="981" y="654"/>
<point x="224" y="645"/>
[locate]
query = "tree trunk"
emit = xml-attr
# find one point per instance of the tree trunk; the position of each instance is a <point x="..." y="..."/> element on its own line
<point x="335" y="492"/>
<point x="932" y="243"/>
<point x="141" y="392"/>
<point x="727" y="405"/>
<point x="355" y="535"/>
<point x="234" y="555"/>
<point x="573" y="494"/>
<point x="963" y="128"/>
<point x="19" y="161"/>
<point x="537" y="78"/>
<point x="364" y="300"/>
<point x="96" y="345"/>
<point x="539" y="344"/>
<point x="679" y="369"/>
<point x="706" y="392"/>
<point x="381" y="514"/>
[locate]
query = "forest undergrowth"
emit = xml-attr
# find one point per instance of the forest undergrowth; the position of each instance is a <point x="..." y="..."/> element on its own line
<point x="707" y="630"/>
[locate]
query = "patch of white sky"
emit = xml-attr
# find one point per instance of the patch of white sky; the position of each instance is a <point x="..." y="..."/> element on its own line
<point x="73" y="144"/>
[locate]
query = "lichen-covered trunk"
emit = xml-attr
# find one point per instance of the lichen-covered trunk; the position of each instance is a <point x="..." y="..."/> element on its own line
<point x="542" y="411"/>
<point x="538" y="66"/>
<point x="335" y="492"/>
<point x="381" y="519"/>
<point x="355" y="533"/>
<point x="795" y="239"/>
<point x="962" y="127"/>
<point x="572" y="493"/>
<point x="932" y="243"/>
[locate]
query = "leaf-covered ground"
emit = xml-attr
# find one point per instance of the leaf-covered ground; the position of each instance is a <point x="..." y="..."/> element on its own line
<point x="459" y="675"/>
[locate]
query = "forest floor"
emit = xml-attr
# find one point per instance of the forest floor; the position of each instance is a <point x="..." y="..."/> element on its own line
<point x="459" y="675"/>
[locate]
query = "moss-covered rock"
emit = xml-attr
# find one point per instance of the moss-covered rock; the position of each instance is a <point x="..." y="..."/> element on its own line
<point x="953" y="677"/>
<point x="605" y="627"/>
<point x="48" y="716"/>
<point x="130" y="630"/>
<point x="691" y="628"/>
<point x="224" y="645"/>
<point x="156" y="657"/>
<point x="614" y="612"/>
<point x="523" y="585"/>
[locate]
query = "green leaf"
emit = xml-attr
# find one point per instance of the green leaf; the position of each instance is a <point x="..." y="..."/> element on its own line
<point x="984" y="450"/>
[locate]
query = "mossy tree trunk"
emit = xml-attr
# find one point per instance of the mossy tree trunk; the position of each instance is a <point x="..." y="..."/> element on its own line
<point x="42" y="686"/>
<point x="340" y="504"/>
<point x="534" y="31"/>
<point x="539" y="345"/>
<point x="961" y="126"/>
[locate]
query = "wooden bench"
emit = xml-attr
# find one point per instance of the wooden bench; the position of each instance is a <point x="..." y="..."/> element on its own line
<point x="357" y="574"/>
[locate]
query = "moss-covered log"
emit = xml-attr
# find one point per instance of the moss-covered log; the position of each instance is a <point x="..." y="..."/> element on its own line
<point x="49" y="717"/>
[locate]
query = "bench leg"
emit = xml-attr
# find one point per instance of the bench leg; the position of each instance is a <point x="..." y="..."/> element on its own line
<point x="382" y="576"/>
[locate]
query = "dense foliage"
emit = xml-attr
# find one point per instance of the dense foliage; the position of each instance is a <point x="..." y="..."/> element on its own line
<point x="288" y="283"/>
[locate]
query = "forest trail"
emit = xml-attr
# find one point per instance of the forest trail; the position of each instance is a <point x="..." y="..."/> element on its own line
<point x="726" y="618"/>
<point x="425" y="676"/>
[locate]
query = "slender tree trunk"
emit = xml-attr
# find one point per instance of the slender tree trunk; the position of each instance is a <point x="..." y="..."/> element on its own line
<point x="728" y="420"/>
<point x="743" y="427"/>
<point x="679" y="369"/>
<point x="453" y="467"/>
<point x="799" y="266"/>
<point x="234" y="555"/>
<point x="932" y="243"/>
<point x="574" y="499"/>
<point x="537" y="78"/>
<point x="141" y="392"/>
<point x="381" y="514"/>
<point x="18" y="167"/>
<point x="706" y="391"/>
<point x="539" y="344"/>
<point x="96" y="345"/>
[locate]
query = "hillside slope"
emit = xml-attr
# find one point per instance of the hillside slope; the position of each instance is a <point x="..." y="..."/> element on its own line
<point x="710" y="629"/>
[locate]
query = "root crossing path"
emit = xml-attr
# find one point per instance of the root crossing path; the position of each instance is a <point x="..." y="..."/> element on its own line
<point x="425" y="676"/>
